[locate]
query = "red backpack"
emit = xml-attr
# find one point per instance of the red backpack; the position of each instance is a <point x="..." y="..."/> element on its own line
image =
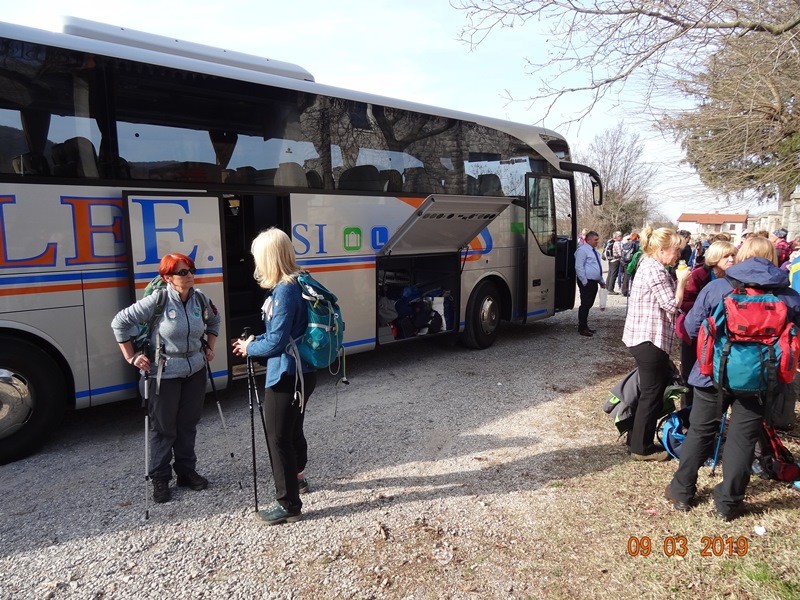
<point x="748" y="344"/>
<point x="774" y="458"/>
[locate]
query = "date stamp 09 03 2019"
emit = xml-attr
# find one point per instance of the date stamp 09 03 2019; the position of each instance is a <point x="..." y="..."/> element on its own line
<point x="678" y="545"/>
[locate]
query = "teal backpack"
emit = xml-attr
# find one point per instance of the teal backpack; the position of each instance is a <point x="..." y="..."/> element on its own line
<point x="321" y="342"/>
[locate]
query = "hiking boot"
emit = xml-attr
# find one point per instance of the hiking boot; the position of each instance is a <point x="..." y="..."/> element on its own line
<point x="303" y="486"/>
<point x="193" y="481"/>
<point x="585" y="332"/>
<point x="161" y="491"/>
<point x="276" y="515"/>
<point x="679" y="505"/>
<point x="651" y="457"/>
<point x="729" y="514"/>
<point x="590" y="330"/>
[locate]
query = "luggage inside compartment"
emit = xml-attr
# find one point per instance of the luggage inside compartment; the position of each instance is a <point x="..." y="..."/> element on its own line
<point x="417" y="296"/>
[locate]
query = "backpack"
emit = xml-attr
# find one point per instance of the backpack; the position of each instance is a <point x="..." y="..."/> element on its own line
<point x="672" y="430"/>
<point x="633" y="263"/>
<point x="773" y="458"/>
<point x="628" y="250"/>
<point x="748" y="344"/>
<point x="321" y="342"/>
<point x="608" y="249"/>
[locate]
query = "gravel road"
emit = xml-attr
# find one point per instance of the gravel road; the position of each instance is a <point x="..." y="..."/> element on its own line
<point x="427" y="472"/>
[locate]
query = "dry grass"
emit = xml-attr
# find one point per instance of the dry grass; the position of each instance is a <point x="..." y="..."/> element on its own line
<point x="569" y="536"/>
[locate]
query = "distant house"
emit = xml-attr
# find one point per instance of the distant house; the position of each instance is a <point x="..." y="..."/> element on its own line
<point x="710" y="223"/>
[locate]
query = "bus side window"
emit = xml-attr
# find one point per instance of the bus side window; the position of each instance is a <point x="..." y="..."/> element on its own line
<point x="30" y="163"/>
<point x="75" y="157"/>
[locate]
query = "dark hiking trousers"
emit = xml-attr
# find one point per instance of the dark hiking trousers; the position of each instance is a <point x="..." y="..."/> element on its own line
<point x="612" y="276"/>
<point x="288" y="449"/>
<point x="174" y="414"/>
<point x="654" y="375"/>
<point x="743" y="432"/>
<point x="688" y="358"/>
<point x="588" y="295"/>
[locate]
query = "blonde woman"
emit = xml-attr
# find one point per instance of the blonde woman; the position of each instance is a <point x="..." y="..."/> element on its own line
<point x="284" y="319"/>
<point x="649" y="333"/>
<point x="719" y="256"/>
<point x="756" y="264"/>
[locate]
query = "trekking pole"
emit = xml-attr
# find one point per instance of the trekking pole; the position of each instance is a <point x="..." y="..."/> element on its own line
<point x="146" y="404"/>
<point x="250" y="386"/>
<point x="224" y="424"/>
<point x="718" y="445"/>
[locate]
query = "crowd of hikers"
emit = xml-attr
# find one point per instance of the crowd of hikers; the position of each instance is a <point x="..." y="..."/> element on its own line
<point x="731" y="306"/>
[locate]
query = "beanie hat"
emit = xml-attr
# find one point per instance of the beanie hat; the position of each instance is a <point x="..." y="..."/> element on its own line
<point x="781" y="233"/>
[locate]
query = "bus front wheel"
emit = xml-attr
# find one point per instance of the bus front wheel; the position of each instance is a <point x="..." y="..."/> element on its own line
<point x="32" y="397"/>
<point x="482" y="317"/>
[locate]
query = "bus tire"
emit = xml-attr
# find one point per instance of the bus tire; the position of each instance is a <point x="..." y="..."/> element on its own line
<point x="32" y="397"/>
<point x="483" y="316"/>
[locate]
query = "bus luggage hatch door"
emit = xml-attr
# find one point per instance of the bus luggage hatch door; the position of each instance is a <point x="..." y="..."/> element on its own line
<point x="444" y="224"/>
<point x="188" y="223"/>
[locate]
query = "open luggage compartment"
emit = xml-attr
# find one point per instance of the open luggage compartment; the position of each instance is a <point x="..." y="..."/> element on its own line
<point x="417" y="296"/>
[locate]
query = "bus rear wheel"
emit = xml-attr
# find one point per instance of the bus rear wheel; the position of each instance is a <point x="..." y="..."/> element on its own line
<point x="32" y="397"/>
<point x="483" y="316"/>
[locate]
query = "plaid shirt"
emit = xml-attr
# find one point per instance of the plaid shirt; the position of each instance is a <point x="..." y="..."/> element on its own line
<point x="651" y="307"/>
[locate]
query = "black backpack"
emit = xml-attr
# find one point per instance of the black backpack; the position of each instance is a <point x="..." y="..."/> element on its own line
<point x="608" y="249"/>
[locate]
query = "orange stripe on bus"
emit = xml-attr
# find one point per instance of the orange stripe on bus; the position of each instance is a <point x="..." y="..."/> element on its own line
<point x="70" y="287"/>
<point x="216" y="279"/>
<point x="415" y="202"/>
<point x="340" y="268"/>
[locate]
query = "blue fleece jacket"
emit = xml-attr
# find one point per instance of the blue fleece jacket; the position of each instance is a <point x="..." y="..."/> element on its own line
<point x="757" y="271"/>
<point x="286" y="320"/>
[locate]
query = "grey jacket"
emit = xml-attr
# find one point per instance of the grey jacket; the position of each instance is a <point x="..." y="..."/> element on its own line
<point x="181" y="329"/>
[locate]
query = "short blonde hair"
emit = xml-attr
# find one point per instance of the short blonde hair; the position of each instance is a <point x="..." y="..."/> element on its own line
<point x="717" y="251"/>
<point x="662" y="238"/>
<point x="757" y="246"/>
<point x="273" y="254"/>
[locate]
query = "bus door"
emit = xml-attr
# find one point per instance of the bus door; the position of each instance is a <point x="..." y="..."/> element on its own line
<point x="551" y="230"/>
<point x="428" y="246"/>
<point x="189" y="223"/>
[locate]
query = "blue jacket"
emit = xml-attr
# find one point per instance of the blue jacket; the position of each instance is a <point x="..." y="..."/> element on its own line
<point x="285" y="320"/>
<point x="757" y="271"/>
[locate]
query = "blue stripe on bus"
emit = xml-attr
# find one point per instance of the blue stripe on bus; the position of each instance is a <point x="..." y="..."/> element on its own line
<point x="363" y="342"/>
<point x="127" y="386"/>
<point x="74" y="276"/>
<point x="538" y="312"/>
<point x="335" y="261"/>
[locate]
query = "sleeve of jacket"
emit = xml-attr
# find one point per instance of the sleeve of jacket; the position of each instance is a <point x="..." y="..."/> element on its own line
<point x="707" y="300"/>
<point x="580" y="271"/>
<point x="286" y="301"/>
<point x="212" y="324"/>
<point x="128" y="318"/>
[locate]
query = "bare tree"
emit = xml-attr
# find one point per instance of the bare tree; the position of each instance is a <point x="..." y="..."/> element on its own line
<point x="611" y="40"/>
<point x="617" y="154"/>
<point x="744" y="135"/>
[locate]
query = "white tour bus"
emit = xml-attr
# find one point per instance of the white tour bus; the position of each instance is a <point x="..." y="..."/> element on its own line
<point x="119" y="146"/>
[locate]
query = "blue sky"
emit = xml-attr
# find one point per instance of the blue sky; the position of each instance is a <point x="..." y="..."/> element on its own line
<point x="407" y="50"/>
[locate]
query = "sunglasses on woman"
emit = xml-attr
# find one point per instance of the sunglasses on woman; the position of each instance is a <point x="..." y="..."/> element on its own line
<point x="185" y="272"/>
